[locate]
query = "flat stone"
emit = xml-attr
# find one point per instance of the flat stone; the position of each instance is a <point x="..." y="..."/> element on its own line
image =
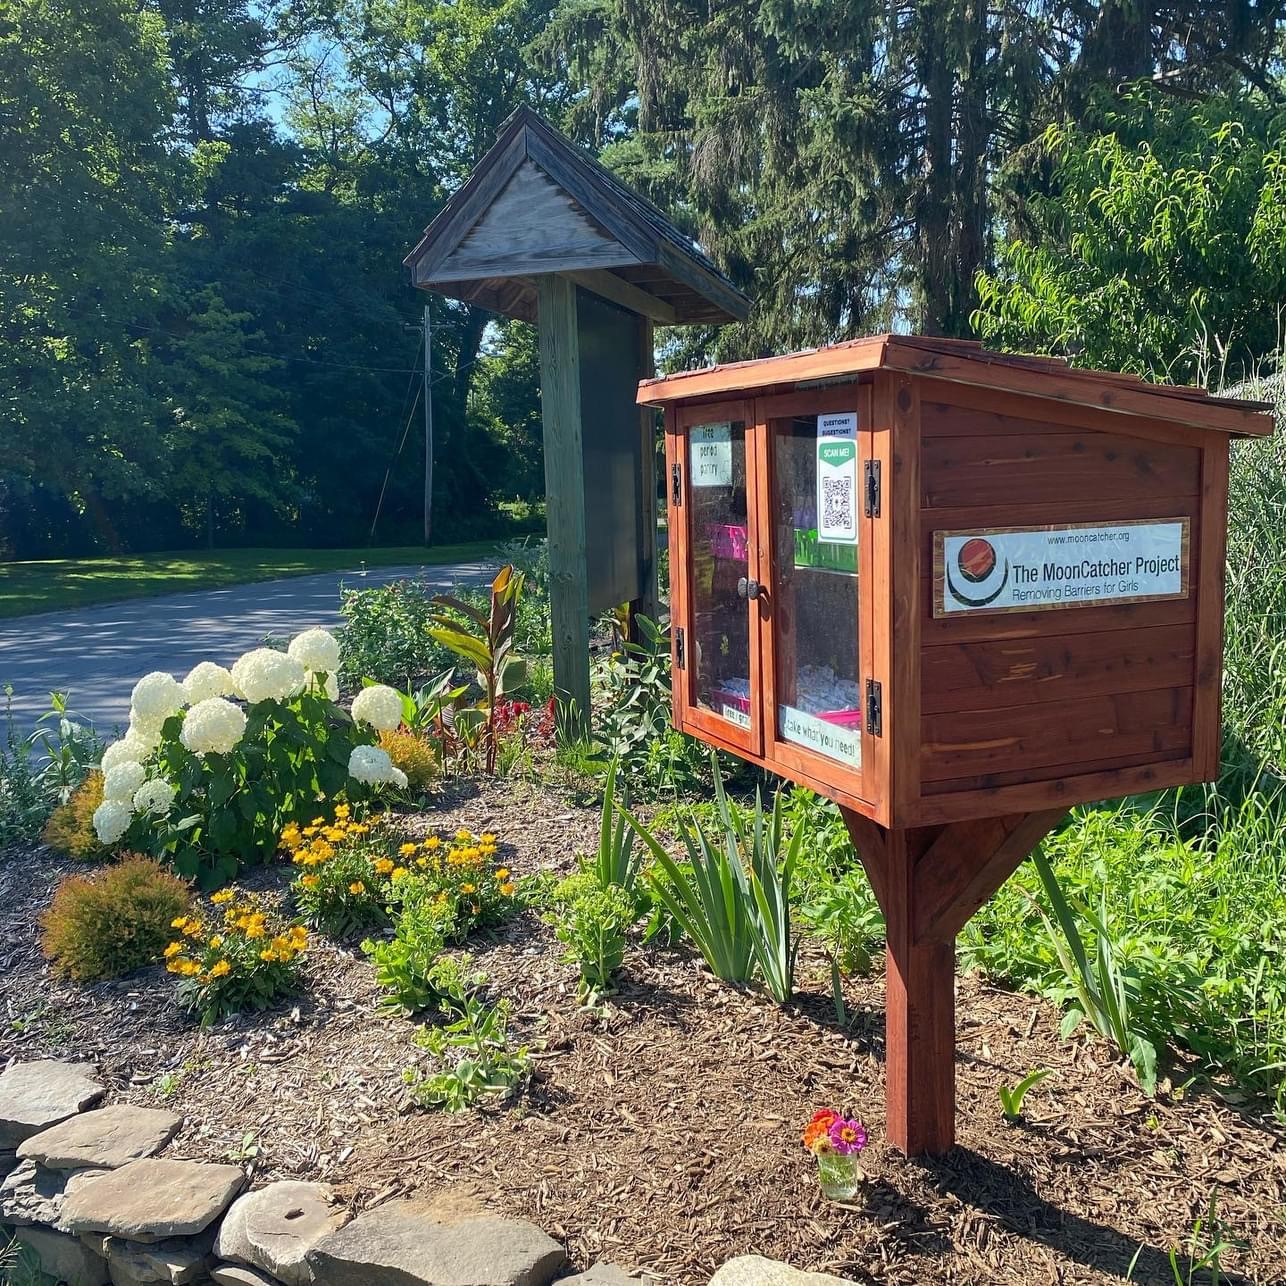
<point x="34" y="1195"/>
<point x="398" y="1244"/>
<point x="238" y="1275"/>
<point x="275" y="1227"/>
<point x="755" y="1270"/>
<point x="603" y="1274"/>
<point x="152" y="1199"/>
<point x="175" y="1261"/>
<point x="64" y="1258"/>
<point x="106" y="1138"/>
<point x="34" y="1096"/>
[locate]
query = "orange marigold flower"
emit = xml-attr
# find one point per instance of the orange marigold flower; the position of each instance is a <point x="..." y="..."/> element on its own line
<point x="357" y="887"/>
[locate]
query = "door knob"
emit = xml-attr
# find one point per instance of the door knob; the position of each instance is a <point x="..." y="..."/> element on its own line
<point x="749" y="588"/>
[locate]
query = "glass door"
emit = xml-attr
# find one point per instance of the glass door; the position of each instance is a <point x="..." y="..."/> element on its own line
<point x="719" y="684"/>
<point x="817" y="447"/>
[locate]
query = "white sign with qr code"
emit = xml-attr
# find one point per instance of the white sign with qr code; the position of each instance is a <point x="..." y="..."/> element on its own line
<point x="837" y="477"/>
<point x="711" y="455"/>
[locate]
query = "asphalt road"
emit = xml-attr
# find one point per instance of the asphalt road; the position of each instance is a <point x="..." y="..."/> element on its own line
<point x="99" y="653"/>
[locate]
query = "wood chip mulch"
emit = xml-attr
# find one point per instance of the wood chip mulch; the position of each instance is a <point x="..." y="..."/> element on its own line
<point x="663" y="1131"/>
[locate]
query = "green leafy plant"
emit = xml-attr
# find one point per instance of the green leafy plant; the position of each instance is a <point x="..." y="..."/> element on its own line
<point x="490" y="647"/>
<point x="1102" y="987"/>
<point x="616" y="862"/>
<point x="844" y="914"/>
<point x="592" y="923"/>
<point x="471" y="1047"/>
<point x="1011" y="1096"/>
<point x="104" y="925"/>
<point x="404" y="964"/>
<point x="733" y="899"/>
<point x="1207" y="1245"/>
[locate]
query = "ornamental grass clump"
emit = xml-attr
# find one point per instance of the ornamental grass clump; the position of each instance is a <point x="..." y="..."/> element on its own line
<point x="106" y="924"/>
<point x="213" y="768"/>
<point x="245" y="958"/>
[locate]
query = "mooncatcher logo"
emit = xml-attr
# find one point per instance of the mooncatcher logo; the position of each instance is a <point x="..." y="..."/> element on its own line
<point x="976" y="570"/>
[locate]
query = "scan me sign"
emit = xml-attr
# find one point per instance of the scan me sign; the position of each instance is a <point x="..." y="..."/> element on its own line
<point x="1024" y="569"/>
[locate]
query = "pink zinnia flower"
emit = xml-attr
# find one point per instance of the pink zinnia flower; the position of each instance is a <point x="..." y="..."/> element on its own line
<point x="847" y="1136"/>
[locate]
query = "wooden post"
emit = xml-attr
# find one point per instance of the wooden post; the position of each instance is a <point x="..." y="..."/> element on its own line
<point x="929" y="880"/>
<point x="565" y="500"/>
<point x="648" y="603"/>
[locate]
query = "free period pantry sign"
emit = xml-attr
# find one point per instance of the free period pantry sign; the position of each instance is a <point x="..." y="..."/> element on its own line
<point x="711" y="447"/>
<point x="1024" y="569"/>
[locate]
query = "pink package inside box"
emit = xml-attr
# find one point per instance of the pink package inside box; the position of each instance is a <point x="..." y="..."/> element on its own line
<point x="737" y="702"/>
<point x="844" y="718"/>
<point x="727" y="540"/>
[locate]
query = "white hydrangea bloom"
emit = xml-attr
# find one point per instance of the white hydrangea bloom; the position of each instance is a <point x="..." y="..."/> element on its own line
<point x="214" y="724"/>
<point x="398" y="778"/>
<point x="111" y="820"/>
<point x="145" y="732"/>
<point x="371" y="765"/>
<point x="263" y="674"/>
<point x="129" y="749"/>
<point x="316" y="650"/>
<point x="154" y="797"/>
<point x="206" y="680"/>
<point x="121" y="780"/>
<point x="380" y="706"/>
<point x="156" y="696"/>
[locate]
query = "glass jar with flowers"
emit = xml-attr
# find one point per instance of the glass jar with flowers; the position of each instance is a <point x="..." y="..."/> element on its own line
<point x="836" y="1140"/>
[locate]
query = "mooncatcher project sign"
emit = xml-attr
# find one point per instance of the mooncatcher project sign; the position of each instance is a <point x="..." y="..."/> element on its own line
<point x="1024" y="569"/>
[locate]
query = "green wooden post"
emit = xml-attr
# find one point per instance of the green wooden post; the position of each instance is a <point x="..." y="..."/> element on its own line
<point x="649" y="602"/>
<point x="564" y="500"/>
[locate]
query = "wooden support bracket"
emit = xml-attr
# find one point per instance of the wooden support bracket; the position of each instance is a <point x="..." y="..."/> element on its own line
<point x="929" y="880"/>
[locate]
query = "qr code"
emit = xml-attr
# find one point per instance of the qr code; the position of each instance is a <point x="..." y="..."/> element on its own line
<point x="837" y="503"/>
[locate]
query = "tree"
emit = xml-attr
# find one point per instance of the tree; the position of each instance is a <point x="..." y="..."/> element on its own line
<point x="1162" y="244"/>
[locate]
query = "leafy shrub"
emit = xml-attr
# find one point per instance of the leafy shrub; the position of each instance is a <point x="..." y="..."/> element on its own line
<point x="844" y="914"/>
<point x="592" y="923"/>
<point x="70" y="828"/>
<point x="104" y="925"/>
<point x="632" y="717"/>
<point x="247" y="962"/>
<point x="471" y="1048"/>
<point x="209" y="783"/>
<point x="415" y="755"/>
<point x="404" y="965"/>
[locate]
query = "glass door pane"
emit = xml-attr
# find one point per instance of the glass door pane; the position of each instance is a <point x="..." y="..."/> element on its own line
<point x="720" y="656"/>
<point x="815" y="585"/>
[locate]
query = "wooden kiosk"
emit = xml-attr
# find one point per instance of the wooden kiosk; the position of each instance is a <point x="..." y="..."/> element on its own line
<point x="956" y="592"/>
<point x="543" y="233"/>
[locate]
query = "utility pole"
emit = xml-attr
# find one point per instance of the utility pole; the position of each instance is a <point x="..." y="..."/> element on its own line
<point x="428" y="428"/>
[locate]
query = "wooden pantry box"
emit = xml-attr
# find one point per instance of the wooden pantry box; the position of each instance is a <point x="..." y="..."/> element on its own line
<point x="934" y="582"/>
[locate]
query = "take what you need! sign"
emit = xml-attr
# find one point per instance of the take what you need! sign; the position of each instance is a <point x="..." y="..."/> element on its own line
<point x="1024" y="569"/>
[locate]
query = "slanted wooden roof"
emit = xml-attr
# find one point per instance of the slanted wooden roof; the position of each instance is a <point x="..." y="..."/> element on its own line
<point x="537" y="204"/>
<point x="965" y="361"/>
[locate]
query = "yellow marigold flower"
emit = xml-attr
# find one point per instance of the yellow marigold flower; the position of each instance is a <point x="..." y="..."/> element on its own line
<point x="298" y="934"/>
<point x="267" y="954"/>
<point x="357" y="887"/>
<point x="255" y="931"/>
<point x="334" y="834"/>
<point x="422" y="862"/>
<point x="220" y="969"/>
<point x="194" y="929"/>
<point x="310" y="881"/>
<point x="173" y="950"/>
<point x="280" y="944"/>
<point x="432" y="842"/>
<point x="319" y="821"/>
<point x="180" y="923"/>
<point x="216" y="942"/>
<point x="189" y="968"/>
<point x="502" y="873"/>
<point x="468" y="888"/>
<point x="507" y="890"/>
<point x="399" y="873"/>
<point x="322" y="851"/>
<point x="359" y="828"/>
<point x="224" y="895"/>
<point x="441" y="897"/>
<point x="312" y="830"/>
<point x="384" y="866"/>
<point x="407" y="849"/>
<point x="463" y="834"/>
<point x="487" y="838"/>
<point x="174" y="966"/>
<point x="342" y="810"/>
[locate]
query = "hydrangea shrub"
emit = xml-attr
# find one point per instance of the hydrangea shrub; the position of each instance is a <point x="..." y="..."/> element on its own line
<point x="213" y="768"/>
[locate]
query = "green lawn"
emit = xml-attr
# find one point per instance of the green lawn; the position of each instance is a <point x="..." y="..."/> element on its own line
<point x="54" y="584"/>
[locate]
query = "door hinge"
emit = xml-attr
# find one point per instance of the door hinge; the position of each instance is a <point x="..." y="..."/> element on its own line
<point x="676" y="485"/>
<point x="872" y="488"/>
<point x="679" y="659"/>
<point x="874" y="708"/>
